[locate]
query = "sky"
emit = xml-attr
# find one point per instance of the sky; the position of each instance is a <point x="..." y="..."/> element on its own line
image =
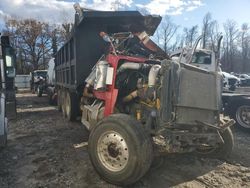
<point x="185" y="13"/>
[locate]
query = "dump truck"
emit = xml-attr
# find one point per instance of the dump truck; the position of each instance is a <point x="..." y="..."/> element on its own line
<point x="7" y="92"/>
<point x="136" y="102"/>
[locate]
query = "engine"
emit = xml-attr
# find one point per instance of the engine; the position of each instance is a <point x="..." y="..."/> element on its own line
<point x="137" y="85"/>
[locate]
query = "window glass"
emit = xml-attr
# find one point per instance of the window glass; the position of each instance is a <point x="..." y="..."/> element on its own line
<point x="201" y="58"/>
<point x="9" y="57"/>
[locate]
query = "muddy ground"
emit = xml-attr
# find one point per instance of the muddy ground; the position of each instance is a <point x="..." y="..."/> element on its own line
<point x="41" y="153"/>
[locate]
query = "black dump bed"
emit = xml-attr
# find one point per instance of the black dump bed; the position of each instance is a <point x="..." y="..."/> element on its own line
<point x="79" y="54"/>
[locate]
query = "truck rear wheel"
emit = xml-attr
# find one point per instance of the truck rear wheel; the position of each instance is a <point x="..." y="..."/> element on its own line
<point x="120" y="150"/>
<point x="224" y="150"/>
<point x="62" y="100"/>
<point x="59" y="103"/>
<point x="242" y="116"/>
<point x="70" y="106"/>
<point x="50" y="99"/>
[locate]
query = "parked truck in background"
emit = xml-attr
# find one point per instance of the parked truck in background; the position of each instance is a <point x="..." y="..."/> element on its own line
<point x="230" y="82"/>
<point x="38" y="81"/>
<point x="234" y="104"/>
<point x="7" y="92"/>
<point x="135" y="101"/>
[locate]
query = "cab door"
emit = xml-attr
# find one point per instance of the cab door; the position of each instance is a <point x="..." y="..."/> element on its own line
<point x="7" y="74"/>
<point x="9" y="61"/>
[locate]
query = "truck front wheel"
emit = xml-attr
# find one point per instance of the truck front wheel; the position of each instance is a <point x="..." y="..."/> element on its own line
<point x="120" y="150"/>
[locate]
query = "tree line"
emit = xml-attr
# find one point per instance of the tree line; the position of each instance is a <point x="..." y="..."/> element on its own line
<point x="235" y="47"/>
<point x="36" y="42"/>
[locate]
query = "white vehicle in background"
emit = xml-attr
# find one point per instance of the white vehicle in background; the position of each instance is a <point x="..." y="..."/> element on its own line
<point x="230" y="82"/>
<point x="244" y="79"/>
<point x="202" y="58"/>
<point x="236" y="105"/>
<point x="50" y="82"/>
<point x="51" y="72"/>
<point x="208" y="60"/>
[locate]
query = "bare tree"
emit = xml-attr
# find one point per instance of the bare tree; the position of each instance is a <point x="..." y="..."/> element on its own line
<point x="190" y="35"/>
<point x="66" y="26"/>
<point x="245" y="46"/>
<point x="206" y="28"/>
<point x="166" y="32"/>
<point x="66" y="30"/>
<point x="32" y="41"/>
<point x="230" y="39"/>
<point x="214" y="34"/>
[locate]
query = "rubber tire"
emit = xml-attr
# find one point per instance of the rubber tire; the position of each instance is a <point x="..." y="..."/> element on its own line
<point x="139" y="144"/>
<point x="238" y="123"/>
<point x="224" y="150"/>
<point x="39" y="91"/>
<point x="70" y="106"/>
<point x="62" y="99"/>
<point x="59" y="104"/>
<point x="3" y="140"/>
<point x="50" y="99"/>
<point x="34" y="90"/>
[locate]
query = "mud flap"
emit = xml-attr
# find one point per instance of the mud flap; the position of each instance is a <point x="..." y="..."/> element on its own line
<point x="90" y="114"/>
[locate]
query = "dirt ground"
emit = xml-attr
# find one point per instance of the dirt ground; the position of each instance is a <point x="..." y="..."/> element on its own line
<point x="42" y="152"/>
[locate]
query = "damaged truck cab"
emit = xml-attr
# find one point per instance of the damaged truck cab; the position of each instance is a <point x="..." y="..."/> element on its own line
<point x="134" y="99"/>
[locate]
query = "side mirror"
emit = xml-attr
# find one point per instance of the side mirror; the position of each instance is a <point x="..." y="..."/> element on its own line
<point x="10" y="61"/>
<point x="108" y="39"/>
<point x="105" y="36"/>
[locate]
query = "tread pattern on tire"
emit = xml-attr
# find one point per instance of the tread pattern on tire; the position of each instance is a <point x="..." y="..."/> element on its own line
<point x="143" y="146"/>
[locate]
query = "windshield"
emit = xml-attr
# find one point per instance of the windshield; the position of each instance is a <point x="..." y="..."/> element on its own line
<point x="41" y="73"/>
<point x="201" y="58"/>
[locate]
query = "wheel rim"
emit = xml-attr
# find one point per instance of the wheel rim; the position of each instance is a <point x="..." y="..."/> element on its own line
<point x="112" y="151"/>
<point x="243" y="116"/>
